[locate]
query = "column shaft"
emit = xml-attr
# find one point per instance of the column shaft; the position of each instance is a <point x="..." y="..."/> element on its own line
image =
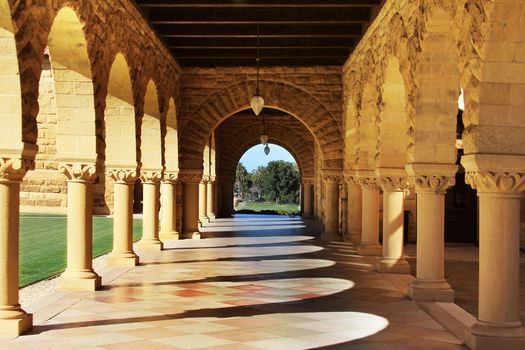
<point x="122" y="253"/>
<point x="331" y="232"/>
<point x="308" y="200"/>
<point x="191" y="210"/>
<point x="150" y="219"/>
<point x="354" y="212"/>
<point x="393" y="260"/>
<point x="79" y="274"/>
<point x="13" y="320"/>
<point x="210" y="213"/>
<point x="203" y="218"/>
<point x="370" y="222"/>
<point x="168" y="229"/>
<point x="430" y="284"/>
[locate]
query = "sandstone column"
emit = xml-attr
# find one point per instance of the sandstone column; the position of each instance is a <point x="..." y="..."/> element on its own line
<point x="190" y="192"/>
<point x="393" y="260"/>
<point x="430" y="284"/>
<point x="79" y="274"/>
<point x="13" y="319"/>
<point x="331" y="223"/>
<point x="122" y="253"/>
<point x="150" y="213"/>
<point x="226" y="197"/>
<point x="354" y="211"/>
<point x="168" y="222"/>
<point x="203" y="218"/>
<point x="308" y="198"/>
<point x="210" y="200"/>
<point x="498" y="325"/>
<point x="370" y="217"/>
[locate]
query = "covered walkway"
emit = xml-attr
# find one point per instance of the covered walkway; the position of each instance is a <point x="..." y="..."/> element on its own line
<point x="252" y="284"/>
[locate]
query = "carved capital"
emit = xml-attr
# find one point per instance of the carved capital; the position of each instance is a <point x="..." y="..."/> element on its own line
<point x="150" y="176"/>
<point x="191" y="176"/>
<point x="392" y="183"/>
<point x="368" y="182"/>
<point x="171" y="176"/>
<point x="212" y="179"/>
<point x="496" y="182"/>
<point x="14" y="169"/>
<point x="351" y="180"/>
<point x="431" y="183"/>
<point x="128" y="176"/>
<point x="205" y="179"/>
<point x="79" y="171"/>
<point x="308" y="180"/>
<point x="333" y="179"/>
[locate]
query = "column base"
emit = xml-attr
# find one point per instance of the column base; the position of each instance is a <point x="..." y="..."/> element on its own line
<point x="488" y="336"/>
<point x="393" y="265"/>
<point x="331" y="236"/>
<point x="211" y="217"/>
<point x="128" y="259"/>
<point x="169" y="235"/>
<point x="151" y="245"/>
<point x="425" y="290"/>
<point x="203" y="221"/>
<point x="86" y="281"/>
<point x="370" y="249"/>
<point x="16" y="326"/>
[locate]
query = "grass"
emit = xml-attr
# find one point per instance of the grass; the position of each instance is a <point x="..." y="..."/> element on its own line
<point x="270" y="208"/>
<point x="43" y="244"/>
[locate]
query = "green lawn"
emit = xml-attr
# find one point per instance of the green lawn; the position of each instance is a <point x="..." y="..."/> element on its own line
<point x="43" y="244"/>
<point x="267" y="207"/>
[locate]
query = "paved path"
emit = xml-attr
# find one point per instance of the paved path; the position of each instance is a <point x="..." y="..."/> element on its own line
<point x="254" y="283"/>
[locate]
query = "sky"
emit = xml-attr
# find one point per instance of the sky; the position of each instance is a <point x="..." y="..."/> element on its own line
<point x="255" y="156"/>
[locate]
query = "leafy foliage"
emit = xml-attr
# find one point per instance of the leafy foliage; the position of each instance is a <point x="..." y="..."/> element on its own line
<point x="279" y="182"/>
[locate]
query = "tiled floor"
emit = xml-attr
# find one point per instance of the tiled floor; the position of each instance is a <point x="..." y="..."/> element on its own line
<point x="270" y="284"/>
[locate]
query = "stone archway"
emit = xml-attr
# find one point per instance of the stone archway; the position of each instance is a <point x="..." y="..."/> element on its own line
<point x="278" y="95"/>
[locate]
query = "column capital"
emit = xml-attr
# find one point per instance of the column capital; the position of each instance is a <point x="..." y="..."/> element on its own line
<point x="171" y="176"/>
<point x="14" y="169"/>
<point x="333" y="179"/>
<point x="191" y="175"/>
<point x="205" y="179"/>
<point x="212" y="179"/>
<point x="308" y="180"/>
<point x="123" y="175"/>
<point x="150" y="175"/>
<point x="78" y="171"/>
<point x="351" y="180"/>
<point x="488" y="173"/>
<point x="431" y="183"/>
<point x="368" y="182"/>
<point x="392" y="183"/>
<point x="496" y="182"/>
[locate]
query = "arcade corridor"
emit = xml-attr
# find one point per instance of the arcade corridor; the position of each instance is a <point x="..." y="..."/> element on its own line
<point x="270" y="284"/>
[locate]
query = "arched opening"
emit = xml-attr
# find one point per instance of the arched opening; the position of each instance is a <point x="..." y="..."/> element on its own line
<point x="267" y="183"/>
<point x="243" y="131"/>
<point x="119" y="120"/>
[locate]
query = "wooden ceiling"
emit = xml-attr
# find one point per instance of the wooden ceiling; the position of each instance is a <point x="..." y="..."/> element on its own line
<point x="207" y="33"/>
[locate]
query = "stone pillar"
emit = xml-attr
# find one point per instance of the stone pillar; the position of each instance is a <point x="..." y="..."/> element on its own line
<point x="79" y="274"/>
<point x="122" y="253"/>
<point x="331" y="222"/>
<point x="308" y="198"/>
<point x="168" y="207"/>
<point x="354" y="211"/>
<point x="498" y="325"/>
<point x="203" y="196"/>
<point x="393" y="260"/>
<point x="150" y="212"/>
<point x="370" y="218"/>
<point x="190" y="193"/>
<point x="430" y="283"/>
<point x="13" y="319"/>
<point x="227" y="197"/>
<point x="210" y="203"/>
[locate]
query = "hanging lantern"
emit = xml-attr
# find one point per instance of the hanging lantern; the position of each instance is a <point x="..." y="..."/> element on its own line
<point x="266" y="150"/>
<point x="257" y="103"/>
<point x="264" y="139"/>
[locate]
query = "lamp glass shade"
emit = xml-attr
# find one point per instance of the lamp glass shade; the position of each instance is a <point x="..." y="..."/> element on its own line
<point x="264" y="139"/>
<point x="257" y="103"/>
<point x="266" y="150"/>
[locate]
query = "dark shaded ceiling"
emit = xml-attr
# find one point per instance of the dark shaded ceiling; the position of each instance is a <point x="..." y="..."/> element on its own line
<point x="207" y="33"/>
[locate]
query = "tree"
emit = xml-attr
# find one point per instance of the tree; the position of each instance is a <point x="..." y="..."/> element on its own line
<point x="280" y="182"/>
<point x="242" y="180"/>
